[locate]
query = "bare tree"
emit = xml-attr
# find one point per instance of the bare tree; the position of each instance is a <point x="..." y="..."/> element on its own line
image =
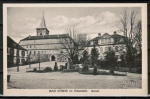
<point x="138" y="37"/>
<point x="127" y="24"/>
<point x="73" y="45"/>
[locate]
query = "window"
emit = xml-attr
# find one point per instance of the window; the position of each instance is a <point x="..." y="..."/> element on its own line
<point x="17" y="52"/>
<point x="34" y="52"/>
<point x="18" y="60"/>
<point x="106" y="49"/>
<point x="30" y="46"/>
<point x="23" y="53"/>
<point x="23" y="60"/>
<point x="116" y="48"/>
<point x="96" y="42"/>
<point x="109" y="40"/>
<point x="40" y="33"/>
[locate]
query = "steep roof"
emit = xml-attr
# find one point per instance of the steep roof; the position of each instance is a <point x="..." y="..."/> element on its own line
<point x="99" y="37"/>
<point x="42" y="24"/>
<point x="116" y="36"/>
<point x="46" y="37"/>
<point x="11" y="43"/>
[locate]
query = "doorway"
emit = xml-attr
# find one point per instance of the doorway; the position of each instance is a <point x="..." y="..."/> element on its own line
<point x="53" y="58"/>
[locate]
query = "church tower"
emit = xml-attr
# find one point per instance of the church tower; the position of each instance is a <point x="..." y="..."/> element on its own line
<point x="42" y="30"/>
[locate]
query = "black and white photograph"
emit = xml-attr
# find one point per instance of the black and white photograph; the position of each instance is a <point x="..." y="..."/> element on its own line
<point x="70" y="49"/>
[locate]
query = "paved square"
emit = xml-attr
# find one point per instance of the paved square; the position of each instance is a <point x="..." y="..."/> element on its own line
<point x="69" y="80"/>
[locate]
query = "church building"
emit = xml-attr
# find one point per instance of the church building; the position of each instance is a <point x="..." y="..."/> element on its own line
<point x="44" y="44"/>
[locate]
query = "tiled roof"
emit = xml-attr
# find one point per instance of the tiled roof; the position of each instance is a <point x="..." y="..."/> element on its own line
<point x="11" y="43"/>
<point x="45" y="37"/>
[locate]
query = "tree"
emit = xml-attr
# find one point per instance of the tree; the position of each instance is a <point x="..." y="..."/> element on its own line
<point x="111" y="59"/>
<point x="127" y="25"/>
<point x="138" y="37"/>
<point x="94" y="55"/>
<point x="85" y="56"/>
<point x="74" y="44"/>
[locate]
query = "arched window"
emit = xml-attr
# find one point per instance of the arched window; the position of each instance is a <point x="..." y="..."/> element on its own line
<point x="23" y="53"/>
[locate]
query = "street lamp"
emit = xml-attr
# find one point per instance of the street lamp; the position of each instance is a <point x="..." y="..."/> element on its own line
<point x="17" y="64"/>
<point x="39" y="59"/>
<point x="29" y="60"/>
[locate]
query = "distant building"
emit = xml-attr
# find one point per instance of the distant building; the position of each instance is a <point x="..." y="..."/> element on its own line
<point x="46" y="45"/>
<point x="15" y="53"/>
<point x="106" y="41"/>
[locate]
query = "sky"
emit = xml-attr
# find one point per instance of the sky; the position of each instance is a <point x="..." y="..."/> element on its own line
<point x="23" y="21"/>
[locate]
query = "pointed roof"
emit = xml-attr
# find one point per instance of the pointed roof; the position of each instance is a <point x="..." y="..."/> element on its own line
<point x="42" y="24"/>
<point x="11" y="43"/>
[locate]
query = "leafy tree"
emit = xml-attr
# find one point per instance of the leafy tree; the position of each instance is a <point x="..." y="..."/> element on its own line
<point x="94" y="55"/>
<point x="85" y="56"/>
<point x="111" y="59"/>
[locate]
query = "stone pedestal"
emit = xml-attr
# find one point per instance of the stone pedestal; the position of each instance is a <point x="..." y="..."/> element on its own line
<point x="68" y="65"/>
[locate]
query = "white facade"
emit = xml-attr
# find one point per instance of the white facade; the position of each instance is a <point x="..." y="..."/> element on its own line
<point x="105" y="42"/>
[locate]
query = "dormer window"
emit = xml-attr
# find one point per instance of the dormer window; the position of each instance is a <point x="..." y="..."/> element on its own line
<point x="92" y="43"/>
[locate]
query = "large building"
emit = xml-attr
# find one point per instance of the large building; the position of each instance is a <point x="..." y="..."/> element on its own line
<point x="106" y="41"/>
<point x="46" y="45"/>
<point x="15" y="53"/>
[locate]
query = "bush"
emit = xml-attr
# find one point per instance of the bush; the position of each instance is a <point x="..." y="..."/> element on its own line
<point x="85" y="68"/>
<point x="34" y="69"/>
<point x="48" y="69"/>
<point x="95" y="70"/>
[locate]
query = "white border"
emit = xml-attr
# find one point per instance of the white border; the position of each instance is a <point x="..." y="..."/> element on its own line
<point x="103" y="92"/>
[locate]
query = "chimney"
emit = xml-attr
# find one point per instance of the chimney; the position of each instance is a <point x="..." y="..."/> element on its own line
<point x="114" y="32"/>
<point x="99" y="34"/>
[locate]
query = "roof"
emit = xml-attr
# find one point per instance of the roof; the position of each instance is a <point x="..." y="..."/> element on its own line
<point x="96" y="38"/>
<point x="116" y="36"/>
<point x="42" y="24"/>
<point x="99" y="37"/>
<point x="11" y="43"/>
<point x="46" y="37"/>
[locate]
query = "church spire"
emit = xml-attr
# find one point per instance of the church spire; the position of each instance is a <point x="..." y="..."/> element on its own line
<point x="42" y="30"/>
<point x="43" y="24"/>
